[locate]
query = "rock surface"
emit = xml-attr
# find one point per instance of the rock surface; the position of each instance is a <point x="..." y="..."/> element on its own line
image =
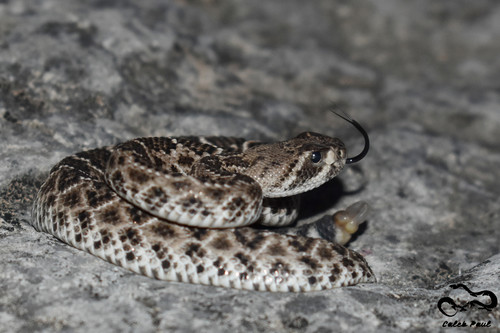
<point x="421" y="76"/>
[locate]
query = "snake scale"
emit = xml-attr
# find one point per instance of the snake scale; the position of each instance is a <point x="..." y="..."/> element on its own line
<point x="179" y="209"/>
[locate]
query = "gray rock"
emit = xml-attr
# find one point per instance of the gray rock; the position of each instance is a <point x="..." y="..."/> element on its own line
<point x="421" y="76"/>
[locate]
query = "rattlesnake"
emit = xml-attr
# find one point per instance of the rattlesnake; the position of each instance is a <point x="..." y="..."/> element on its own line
<point x="176" y="209"/>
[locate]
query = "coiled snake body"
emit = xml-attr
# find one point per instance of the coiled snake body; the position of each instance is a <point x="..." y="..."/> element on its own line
<point x="177" y="209"/>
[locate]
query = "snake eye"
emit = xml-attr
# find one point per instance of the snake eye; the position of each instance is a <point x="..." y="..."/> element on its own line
<point x="316" y="157"/>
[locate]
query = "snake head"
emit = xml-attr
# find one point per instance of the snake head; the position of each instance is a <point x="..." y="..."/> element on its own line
<point x="295" y="166"/>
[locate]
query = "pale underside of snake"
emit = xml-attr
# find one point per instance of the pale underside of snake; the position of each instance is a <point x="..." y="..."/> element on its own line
<point x="181" y="209"/>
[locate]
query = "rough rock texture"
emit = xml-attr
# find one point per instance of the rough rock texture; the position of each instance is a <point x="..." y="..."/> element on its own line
<point x="422" y="76"/>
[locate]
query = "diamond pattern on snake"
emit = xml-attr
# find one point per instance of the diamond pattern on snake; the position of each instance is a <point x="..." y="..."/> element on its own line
<point x="184" y="209"/>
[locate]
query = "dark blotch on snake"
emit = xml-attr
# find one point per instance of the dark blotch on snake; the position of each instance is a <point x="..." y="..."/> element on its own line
<point x="199" y="233"/>
<point x="72" y="198"/>
<point x="192" y="249"/>
<point x="221" y="243"/>
<point x="347" y="262"/>
<point x="297" y="245"/>
<point x="256" y="241"/>
<point x="185" y="160"/>
<point x="50" y="200"/>
<point x="216" y="194"/>
<point x="340" y="249"/>
<point x="243" y="258"/>
<point x="336" y="270"/>
<point x="325" y="253"/>
<point x="138" y="176"/>
<point x="309" y="261"/>
<point x="164" y="230"/>
<point x="83" y="216"/>
<point x="180" y="185"/>
<point x="276" y="250"/>
<point x="137" y="215"/>
<point x="110" y="214"/>
<point x="133" y="236"/>
<point x="240" y="237"/>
